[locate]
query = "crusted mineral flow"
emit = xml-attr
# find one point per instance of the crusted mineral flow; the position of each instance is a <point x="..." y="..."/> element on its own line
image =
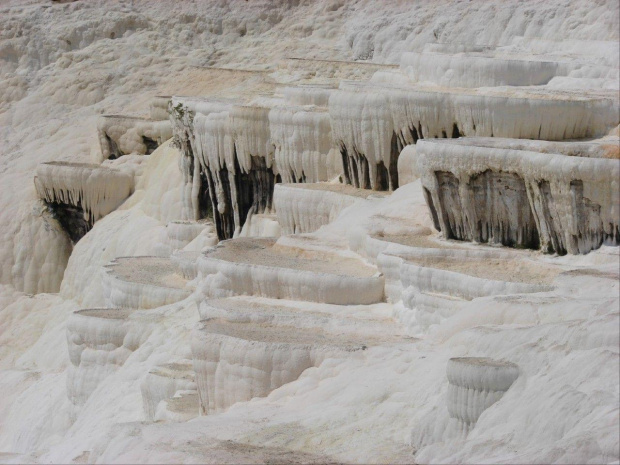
<point x="236" y="361"/>
<point x="186" y="261"/>
<point x="372" y="122"/>
<point x="560" y="197"/>
<point x="304" y="208"/>
<point x="474" y="385"/>
<point x="143" y="282"/>
<point x="169" y="393"/>
<point x="99" y="341"/>
<point x="122" y="135"/>
<point x="79" y="194"/>
<point x="261" y="267"/>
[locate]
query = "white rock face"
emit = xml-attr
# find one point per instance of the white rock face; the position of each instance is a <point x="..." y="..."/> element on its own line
<point x="42" y="249"/>
<point x="190" y="235"/>
<point x="407" y="162"/>
<point x="517" y="196"/>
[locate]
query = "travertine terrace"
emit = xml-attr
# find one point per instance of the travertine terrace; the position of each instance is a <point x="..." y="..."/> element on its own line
<point x="331" y="231"/>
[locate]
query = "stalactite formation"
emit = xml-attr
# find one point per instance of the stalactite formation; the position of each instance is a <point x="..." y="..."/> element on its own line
<point x="560" y="197"/>
<point x="79" y="194"/>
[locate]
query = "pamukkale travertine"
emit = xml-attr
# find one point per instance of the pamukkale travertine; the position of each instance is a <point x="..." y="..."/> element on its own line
<point x="309" y="232"/>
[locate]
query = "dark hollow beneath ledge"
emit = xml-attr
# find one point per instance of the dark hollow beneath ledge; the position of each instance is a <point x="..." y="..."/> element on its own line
<point x="71" y="218"/>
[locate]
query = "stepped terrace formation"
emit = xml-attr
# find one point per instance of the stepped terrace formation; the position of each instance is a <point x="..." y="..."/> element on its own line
<point x="336" y="231"/>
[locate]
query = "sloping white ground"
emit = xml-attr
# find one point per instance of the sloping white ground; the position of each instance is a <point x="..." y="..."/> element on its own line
<point x="63" y="65"/>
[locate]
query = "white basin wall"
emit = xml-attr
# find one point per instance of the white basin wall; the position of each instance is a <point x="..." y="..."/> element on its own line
<point x="474" y="385"/>
<point x="158" y="109"/>
<point x="334" y="286"/>
<point x="303" y="210"/>
<point x="231" y="369"/>
<point x="98" y="346"/>
<point x="119" y="291"/>
<point x="163" y="383"/>
<point x="323" y="317"/>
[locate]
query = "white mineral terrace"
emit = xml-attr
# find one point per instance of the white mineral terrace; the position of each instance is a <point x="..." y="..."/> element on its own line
<point x="331" y="69"/>
<point x="328" y="231"/>
<point x="431" y="281"/>
<point x="304" y="208"/>
<point x="260" y="267"/>
<point x="143" y="282"/>
<point x="373" y="122"/>
<point x="98" y="190"/>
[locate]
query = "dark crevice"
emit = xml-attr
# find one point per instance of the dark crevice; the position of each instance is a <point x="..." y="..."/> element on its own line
<point x="382" y="181"/>
<point x="451" y="206"/>
<point x="551" y="217"/>
<point x="431" y="205"/>
<point x="113" y="148"/>
<point x="254" y="189"/>
<point x="455" y="131"/>
<point x="396" y="148"/>
<point x="71" y="218"/>
<point x="365" y="171"/>
<point x="151" y="145"/>
<point x="345" y="164"/>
